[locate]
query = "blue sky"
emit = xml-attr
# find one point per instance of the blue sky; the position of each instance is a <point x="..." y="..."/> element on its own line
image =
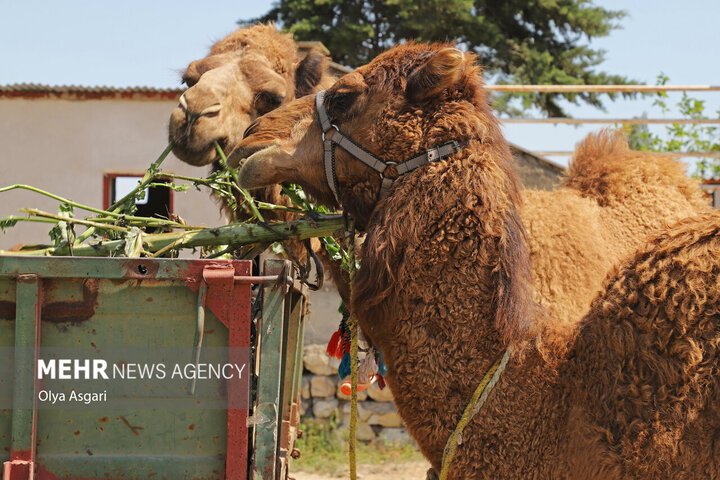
<point x="133" y="42"/>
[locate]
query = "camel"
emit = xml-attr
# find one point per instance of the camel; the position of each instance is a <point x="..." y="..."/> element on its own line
<point x="246" y="74"/>
<point x="446" y="285"/>
<point x="613" y="198"/>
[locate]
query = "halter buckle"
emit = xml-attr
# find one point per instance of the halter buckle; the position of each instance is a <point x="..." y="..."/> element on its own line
<point x="433" y="154"/>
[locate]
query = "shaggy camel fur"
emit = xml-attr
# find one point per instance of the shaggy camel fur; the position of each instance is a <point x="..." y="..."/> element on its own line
<point x="246" y="74"/>
<point x="613" y="198"/>
<point x="445" y="282"/>
<point x="638" y="395"/>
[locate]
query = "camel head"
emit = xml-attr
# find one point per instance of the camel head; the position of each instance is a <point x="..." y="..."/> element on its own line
<point x="409" y="99"/>
<point x="247" y="74"/>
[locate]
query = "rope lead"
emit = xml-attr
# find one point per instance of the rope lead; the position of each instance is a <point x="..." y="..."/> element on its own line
<point x="353" y="327"/>
<point x="476" y="402"/>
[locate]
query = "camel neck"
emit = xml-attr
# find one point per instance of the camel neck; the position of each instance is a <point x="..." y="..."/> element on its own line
<point x="443" y="286"/>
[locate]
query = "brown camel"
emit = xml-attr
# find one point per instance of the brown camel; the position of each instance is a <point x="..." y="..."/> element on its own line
<point x="612" y="200"/>
<point x="446" y="286"/>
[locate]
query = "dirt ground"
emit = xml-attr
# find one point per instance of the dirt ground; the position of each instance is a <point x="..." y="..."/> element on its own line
<point x="398" y="471"/>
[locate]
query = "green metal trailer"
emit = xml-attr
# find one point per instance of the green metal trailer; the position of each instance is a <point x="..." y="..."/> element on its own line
<point x="147" y="305"/>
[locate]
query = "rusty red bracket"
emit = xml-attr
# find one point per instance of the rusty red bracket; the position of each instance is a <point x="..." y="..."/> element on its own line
<point x="225" y="277"/>
<point x="220" y="280"/>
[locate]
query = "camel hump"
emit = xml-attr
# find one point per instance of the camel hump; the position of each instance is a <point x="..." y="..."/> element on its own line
<point x="604" y="167"/>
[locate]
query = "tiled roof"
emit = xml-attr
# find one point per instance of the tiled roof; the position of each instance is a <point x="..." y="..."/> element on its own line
<point x="77" y="92"/>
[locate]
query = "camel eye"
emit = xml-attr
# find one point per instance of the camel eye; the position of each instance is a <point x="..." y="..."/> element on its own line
<point x="344" y="100"/>
<point x="340" y="103"/>
<point x="267" y="101"/>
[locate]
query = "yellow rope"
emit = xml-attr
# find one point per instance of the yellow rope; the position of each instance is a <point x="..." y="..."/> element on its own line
<point x="476" y="402"/>
<point x="353" y="395"/>
<point x="353" y="326"/>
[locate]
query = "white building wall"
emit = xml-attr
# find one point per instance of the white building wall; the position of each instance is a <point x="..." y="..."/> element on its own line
<point x="65" y="146"/>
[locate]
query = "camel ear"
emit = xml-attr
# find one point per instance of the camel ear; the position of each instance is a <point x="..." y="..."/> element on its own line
<point x="309" y="72"/>
<point x="443" y="70"/>
<point x="197" y="67"/>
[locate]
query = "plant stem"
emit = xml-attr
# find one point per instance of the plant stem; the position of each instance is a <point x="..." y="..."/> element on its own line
<point x="40" y="213"/>
<point x="15" y="218"/>
<point x="56" y="197"/>
<point x="249" y="200"/>
<point x="176" y="244"/>
<point x="282" y="208"/>
<point x="105" y="213"/>
<point x="147" y="222"/>
<point x="197" y="180"/>
<point x="232" y="235"/>
<point x="150" y="174"/>
<point x="116" y="207"/>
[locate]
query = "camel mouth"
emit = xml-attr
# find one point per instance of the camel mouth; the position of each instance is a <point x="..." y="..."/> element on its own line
<point x="261" y="168"/>
<point x="198" y="156"/>
<point x="240" y="154"/>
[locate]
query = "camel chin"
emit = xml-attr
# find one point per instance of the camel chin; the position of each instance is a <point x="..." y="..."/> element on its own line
<point x="197" y="157"/>
<point x="260" y="169"/>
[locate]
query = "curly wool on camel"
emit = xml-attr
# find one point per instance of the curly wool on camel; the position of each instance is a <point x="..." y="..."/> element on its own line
<point x="446" y="285"/>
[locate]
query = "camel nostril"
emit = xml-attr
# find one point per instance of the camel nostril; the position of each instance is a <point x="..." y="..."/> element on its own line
<point x="190" y="119"/>
<point x="183" y="102"/>
<point x="251" y="128"/>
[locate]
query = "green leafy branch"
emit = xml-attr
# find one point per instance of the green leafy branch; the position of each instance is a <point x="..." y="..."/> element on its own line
<point x="117" y="231"/>
<point x="682" y="137"/>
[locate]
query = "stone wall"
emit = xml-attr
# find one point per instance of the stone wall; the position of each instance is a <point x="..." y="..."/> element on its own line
<point x="322" y="399"/>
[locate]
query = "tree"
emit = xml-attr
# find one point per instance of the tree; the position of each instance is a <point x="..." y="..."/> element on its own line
<point x="682" y="137"/>
<point x="518" y="41"/>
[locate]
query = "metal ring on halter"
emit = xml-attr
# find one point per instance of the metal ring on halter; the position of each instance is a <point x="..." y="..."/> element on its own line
<point x="333" y="126"/>
<point x="388" y="164"/>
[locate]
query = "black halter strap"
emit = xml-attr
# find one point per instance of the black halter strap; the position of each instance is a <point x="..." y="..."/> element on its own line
<point x="332" y="136"/>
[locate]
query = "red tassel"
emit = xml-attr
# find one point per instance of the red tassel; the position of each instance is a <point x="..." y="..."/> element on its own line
<point x="380" y="381"/>
<point x="334" y="345"/>
<point x="339" y="352"/>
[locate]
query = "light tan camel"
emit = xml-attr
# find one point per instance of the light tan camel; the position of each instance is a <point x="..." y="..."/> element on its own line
<point x="246" y="74"/>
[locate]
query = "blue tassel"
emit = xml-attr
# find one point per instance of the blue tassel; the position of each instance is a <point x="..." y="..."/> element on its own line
<point x="344" y="368"/>
<point x="382" y="369"/>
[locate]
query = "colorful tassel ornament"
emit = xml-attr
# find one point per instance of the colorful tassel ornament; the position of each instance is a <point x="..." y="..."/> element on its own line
<point x="344" y="368"/>
<point x="382" y="370"/>
<point x="334" y="347"/>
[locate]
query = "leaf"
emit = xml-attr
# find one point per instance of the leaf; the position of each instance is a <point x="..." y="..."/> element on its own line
<point x="332" y="247"/>
<point x="7" y="222"/>
<point x="59" y="233"/>
<point x="66" y="210"/>
<point x="134" y="243"/>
